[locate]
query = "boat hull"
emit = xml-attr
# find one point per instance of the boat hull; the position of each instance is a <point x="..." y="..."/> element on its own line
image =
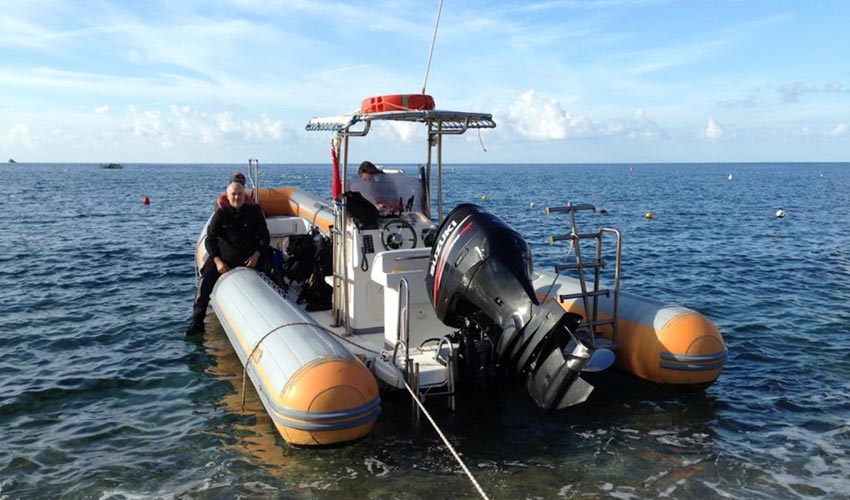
<point x="315" y="391"/>
<point x="671" y="346"/>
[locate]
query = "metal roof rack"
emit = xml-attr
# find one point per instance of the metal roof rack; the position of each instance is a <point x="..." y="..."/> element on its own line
<point x="448" y="120"/>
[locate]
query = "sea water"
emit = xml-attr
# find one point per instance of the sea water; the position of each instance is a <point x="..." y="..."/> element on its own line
<point x="101" y="396"/>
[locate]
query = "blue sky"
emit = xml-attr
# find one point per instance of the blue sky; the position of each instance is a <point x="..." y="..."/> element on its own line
<point x="567" y="81"/>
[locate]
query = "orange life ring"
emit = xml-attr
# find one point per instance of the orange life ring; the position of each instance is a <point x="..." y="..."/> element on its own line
<point x="396" y="102"/>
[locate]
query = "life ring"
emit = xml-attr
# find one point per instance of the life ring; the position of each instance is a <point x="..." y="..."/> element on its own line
<point x="396" y="102"/>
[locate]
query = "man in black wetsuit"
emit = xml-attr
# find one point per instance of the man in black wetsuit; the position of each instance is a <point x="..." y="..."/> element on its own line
<point x="237" y="235"/>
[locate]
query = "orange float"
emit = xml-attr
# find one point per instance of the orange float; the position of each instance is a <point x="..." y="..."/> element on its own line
<point x="396" y="102"/>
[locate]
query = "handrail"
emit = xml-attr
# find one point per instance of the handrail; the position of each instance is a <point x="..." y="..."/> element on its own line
<point x="395" y="349"/>
<point x="445" y="340"/>
<point x="403" y="321"/>
<point x="357" y="133"/>
<point x="254" y="174"/>
<point x="614" y="314"/>
<point x="439" y="143"/>
<point x="412" y="257"/>
<point x="590" y="298"/>
<point x="571" y="210"/>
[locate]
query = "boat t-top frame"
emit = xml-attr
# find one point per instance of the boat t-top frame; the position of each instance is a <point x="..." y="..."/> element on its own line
<point x="438" y="123"/>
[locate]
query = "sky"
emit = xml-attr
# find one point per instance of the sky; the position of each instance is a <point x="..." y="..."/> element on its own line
<point x="567" y="81"/>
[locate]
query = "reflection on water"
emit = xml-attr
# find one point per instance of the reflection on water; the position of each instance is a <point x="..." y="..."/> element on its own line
<point x="254" y="431"/>
<point x="103" y="397"/>
<point x="659" y="447"/>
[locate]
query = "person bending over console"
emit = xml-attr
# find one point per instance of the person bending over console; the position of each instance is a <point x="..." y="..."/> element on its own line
<point x="375" y="184"/>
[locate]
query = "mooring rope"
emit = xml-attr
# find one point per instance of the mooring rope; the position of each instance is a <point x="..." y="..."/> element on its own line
<point x="446" y="442"/>
<point x="406" y="385"/>
<point x="264" y="337"/>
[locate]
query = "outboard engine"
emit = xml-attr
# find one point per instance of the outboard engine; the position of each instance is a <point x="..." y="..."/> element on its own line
<point x="479" y="282"/>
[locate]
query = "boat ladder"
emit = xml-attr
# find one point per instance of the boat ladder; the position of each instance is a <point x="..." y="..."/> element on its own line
<point x="590" y="296"/>
<point x="411" y="370"/>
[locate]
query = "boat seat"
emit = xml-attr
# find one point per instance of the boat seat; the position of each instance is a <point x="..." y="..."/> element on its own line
<point x="388" y="269"/>
<point x="283" y="225"/>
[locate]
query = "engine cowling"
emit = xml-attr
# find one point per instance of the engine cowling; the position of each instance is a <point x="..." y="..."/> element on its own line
<point x="479" y="275"/>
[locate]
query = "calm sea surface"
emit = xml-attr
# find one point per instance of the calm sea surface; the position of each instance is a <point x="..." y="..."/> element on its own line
<point x="101" y="396"/>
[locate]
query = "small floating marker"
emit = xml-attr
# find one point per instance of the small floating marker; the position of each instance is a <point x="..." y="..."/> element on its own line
<point x="146" y="201"/>
<point x="780" y="213"/>
<point x="531" y="205"/>
<point x="648" y="216"/>
<point x="730" y="177"/>
<point x="484" y="197"/>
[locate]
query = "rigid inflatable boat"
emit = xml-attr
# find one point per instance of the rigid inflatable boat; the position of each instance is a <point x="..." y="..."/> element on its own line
<point x="379" y="293"/>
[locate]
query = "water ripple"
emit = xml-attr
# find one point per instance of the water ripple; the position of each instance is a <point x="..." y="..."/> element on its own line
<point x="104" y="398"/>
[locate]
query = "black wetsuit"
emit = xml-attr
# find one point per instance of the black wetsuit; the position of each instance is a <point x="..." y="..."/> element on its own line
<point x="232" y="235"/>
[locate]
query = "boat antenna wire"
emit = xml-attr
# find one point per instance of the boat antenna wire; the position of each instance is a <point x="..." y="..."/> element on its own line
<point x="431" y="51"/>
<point x="446" y="441"/>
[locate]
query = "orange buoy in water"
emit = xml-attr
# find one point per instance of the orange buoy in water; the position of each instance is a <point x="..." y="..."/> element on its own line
<point x="396" y="102"/>
<point x="649" y="216"/>
<point x="146" y="201"/>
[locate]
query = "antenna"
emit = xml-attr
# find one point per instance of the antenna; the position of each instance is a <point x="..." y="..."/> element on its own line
<point x="431" y="52"/>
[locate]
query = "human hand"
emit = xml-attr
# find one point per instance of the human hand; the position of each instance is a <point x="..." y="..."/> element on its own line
<point x="253" y="259"/>
<point x="221" y="266"/>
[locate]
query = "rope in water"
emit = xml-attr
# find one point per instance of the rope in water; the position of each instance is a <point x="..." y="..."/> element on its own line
<point x="254" y="349"/>
<point x="446" y="442"/>
<point x="412" y="393"/>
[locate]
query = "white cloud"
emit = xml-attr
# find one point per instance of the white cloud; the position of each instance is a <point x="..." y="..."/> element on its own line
<point x="792" y="92"/>
<point x="19" y="136"/>
<point x="839" y="130"/>
<point x="405" y="131"/>
<point x="713" y="130"/>
<point x="539" y="118"/>
<point x="262" y="130"/>
<point x="185" y="126"/>
<point x="77" y="66"/>
<point x="544" y="119"/>
<point x="225" y="123"/>
<point x="642" y="127"/>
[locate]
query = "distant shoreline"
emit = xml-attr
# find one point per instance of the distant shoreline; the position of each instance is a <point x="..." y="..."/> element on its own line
<point x="453" y="164"/>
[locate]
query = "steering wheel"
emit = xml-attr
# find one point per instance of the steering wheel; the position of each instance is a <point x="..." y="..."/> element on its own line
<point x="392" y="235"/>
